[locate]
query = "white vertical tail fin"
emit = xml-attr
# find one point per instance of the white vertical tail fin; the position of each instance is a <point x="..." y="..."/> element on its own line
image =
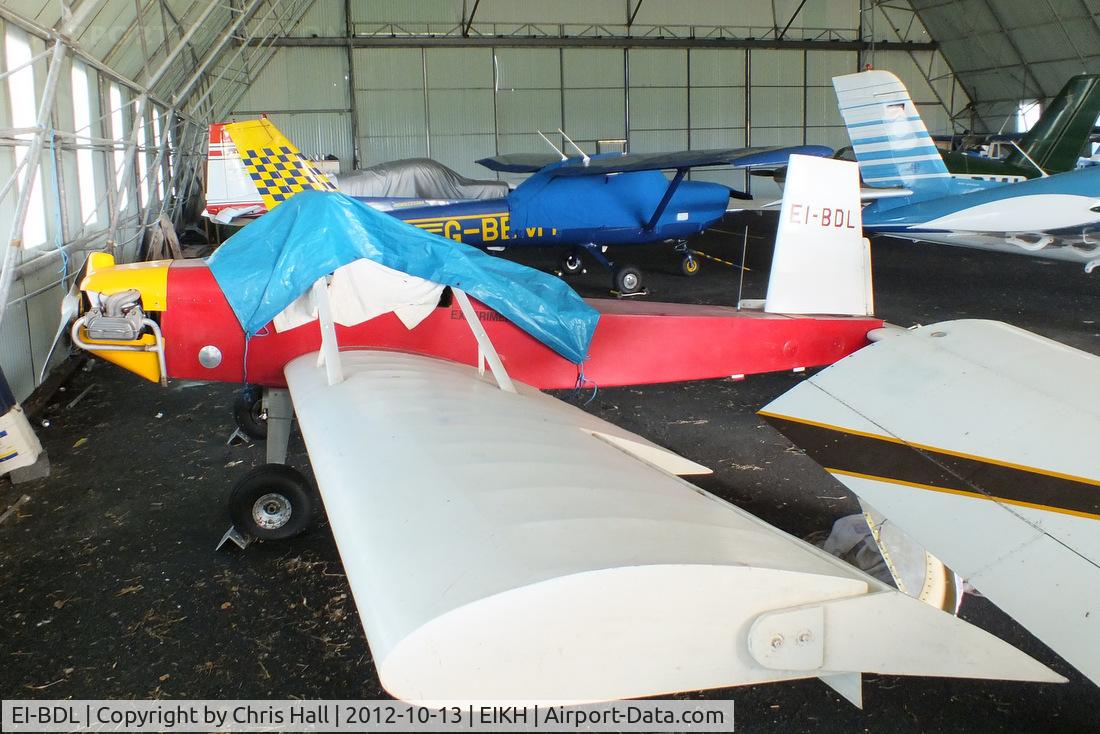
<point x="822" y="262"/>
<point x="230" y="192"/>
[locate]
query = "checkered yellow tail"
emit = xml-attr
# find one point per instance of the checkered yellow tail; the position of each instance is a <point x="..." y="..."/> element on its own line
<point x="274" y="164"/>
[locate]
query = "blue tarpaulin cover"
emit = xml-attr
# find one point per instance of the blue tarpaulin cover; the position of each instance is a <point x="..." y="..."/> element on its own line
<point x="263" y="268"/>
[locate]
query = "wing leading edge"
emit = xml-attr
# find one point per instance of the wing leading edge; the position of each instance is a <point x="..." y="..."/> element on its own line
<point x="508" y="546"/>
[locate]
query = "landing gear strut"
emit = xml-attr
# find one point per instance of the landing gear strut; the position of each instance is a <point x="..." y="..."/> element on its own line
<point x="273" y="501"/>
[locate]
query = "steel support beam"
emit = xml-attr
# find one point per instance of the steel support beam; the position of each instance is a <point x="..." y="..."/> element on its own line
<point x="595" y="42"/>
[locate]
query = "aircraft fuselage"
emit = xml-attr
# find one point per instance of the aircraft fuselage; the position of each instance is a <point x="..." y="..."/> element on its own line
<point x="605" y="210"/>
<point x="1057" y="217"/>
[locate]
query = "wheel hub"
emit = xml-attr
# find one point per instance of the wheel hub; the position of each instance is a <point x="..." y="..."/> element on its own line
<point x="630" y="281"/>
<point x="271" y="511"/>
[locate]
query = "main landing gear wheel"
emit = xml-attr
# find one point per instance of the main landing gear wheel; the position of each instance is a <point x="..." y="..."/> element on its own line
<point x="689" y="265"/>
<point x="628" y="279"/>
<point x="571" y="262"/>
<point x="271" y="502"/>
<point x="249" y="413"/>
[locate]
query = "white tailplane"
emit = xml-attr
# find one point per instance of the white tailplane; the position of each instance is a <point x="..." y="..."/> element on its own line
<point x="822" y="261"/>
<point x="976" y="439"/>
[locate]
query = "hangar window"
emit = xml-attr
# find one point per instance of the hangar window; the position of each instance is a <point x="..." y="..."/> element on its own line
<point x="17" y="53"/>
<point x="82" y="122"/>
<point x="1027" y="114"/>
<point x="158" y="141"/>
<point x="145" y="191"/>
<point x="118" y="132"/>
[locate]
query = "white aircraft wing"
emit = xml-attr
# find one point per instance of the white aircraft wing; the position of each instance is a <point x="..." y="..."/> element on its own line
<point x="506" y="546"/>
<point x="977" y="439"/>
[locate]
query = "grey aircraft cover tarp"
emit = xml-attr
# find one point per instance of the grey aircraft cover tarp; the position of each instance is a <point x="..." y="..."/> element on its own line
<point x="417" y="178"/>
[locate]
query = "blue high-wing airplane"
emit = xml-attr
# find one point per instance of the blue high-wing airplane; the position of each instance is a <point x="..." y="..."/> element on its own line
<point x="583" y="204"/>
<point x="915" y="197"/>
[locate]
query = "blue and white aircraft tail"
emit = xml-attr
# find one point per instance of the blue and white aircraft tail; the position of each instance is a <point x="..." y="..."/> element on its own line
<point x="915" y="197"/>
<point x="889" y="138"/>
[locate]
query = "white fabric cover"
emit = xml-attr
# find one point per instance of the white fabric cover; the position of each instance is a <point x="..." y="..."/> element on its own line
<point x="362" y="290"/>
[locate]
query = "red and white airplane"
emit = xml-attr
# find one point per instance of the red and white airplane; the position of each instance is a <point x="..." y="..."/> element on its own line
<point x="502" y="545"/>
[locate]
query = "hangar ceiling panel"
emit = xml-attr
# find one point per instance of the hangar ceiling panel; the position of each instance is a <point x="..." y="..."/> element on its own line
<point x="1004" y="52"/>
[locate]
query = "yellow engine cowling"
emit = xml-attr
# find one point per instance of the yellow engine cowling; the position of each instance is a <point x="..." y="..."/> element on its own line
<point x="150" y="279"/>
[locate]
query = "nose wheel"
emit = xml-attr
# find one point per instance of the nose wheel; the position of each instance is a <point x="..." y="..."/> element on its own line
<point x="689" y="265"/>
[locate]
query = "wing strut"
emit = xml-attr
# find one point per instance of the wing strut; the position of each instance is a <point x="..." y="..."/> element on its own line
<point x="672" y="186"/>
<point x="329" y="354"/>
<point x="486" y="352"/>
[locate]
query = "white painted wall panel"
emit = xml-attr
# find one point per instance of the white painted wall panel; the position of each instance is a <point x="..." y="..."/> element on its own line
<point x="715" y="107"/>
<point x="775" y="106"/>
<point x="585" y="68"/>
<point x="523" y="68"/>
<point x="822" y="66"/>
<point x="657" y="67"/>
<point x="717" y="67"/>
<point x="776" y="68"/>
<point x="379" y="149"/>
<point x="394" y="68"/>
<point x="592" y="114"/>
<point x="300" y="79"/>
<point x="718" y="138"/>
<point x="657" y="141"/>
<point x="528" y="110"/>
<point x="460" y="111"/>
<point x="658" y="108"/>
<point x="460" y="68"/>
<point x="391" y="112"/>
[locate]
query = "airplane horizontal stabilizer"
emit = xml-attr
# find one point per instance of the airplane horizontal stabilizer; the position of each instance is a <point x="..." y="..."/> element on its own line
<point x="507" y="546"/>
<point x="977" y="439"/>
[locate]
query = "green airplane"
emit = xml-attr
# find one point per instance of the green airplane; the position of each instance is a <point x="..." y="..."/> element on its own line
<point x="1053" y="144"/>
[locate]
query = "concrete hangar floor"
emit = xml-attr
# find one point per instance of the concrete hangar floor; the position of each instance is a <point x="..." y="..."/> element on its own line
<point x="109" y="585"/>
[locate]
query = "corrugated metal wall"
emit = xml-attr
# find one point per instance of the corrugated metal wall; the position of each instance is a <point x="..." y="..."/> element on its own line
<point x="458" y="105"/>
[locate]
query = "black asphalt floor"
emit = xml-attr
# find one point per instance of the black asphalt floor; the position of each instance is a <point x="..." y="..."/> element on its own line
<point x="110" y="586"/>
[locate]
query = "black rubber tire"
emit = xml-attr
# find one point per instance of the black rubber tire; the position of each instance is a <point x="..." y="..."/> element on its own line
<point x="689" y="266"/>
<point x="248" y="412"/>
<point x="571" y="262"/>
<point x="289" y="492"/>
<point x="627" y="279"/>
